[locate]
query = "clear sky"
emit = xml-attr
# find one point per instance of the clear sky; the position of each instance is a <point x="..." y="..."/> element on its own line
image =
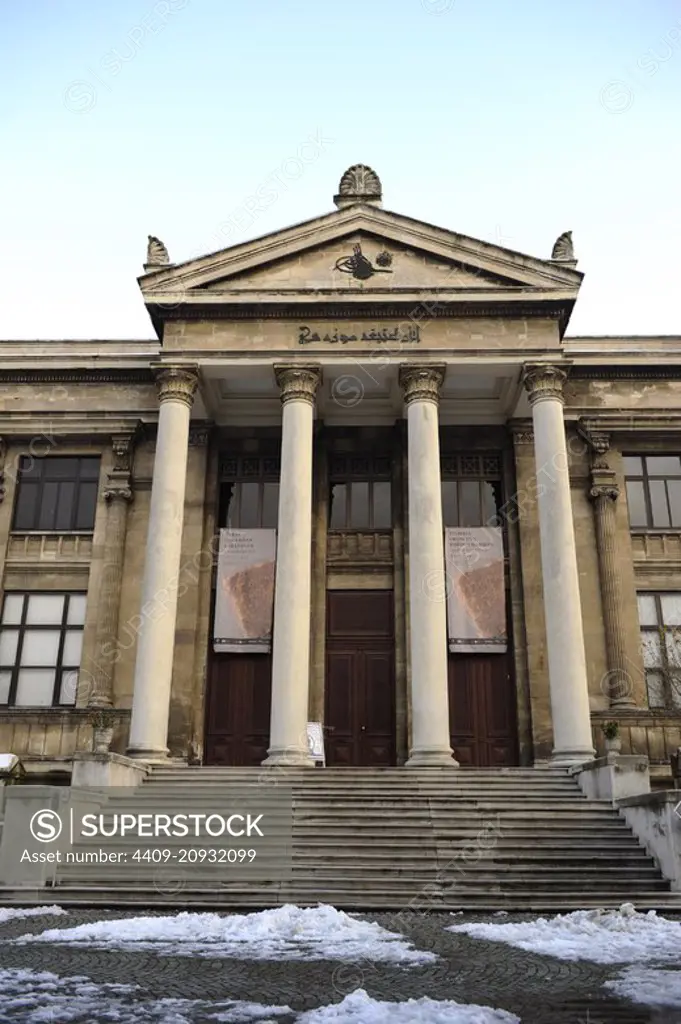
<point x="507" y="120"/>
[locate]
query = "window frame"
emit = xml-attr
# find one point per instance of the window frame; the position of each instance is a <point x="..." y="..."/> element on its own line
<point x="234" y="472"/>
<point x="644" y="478"/>
<point x="346" y="470"/>
<point x="22" y="627"/>
<point x="664" y="669"/>
<point x="483" y="467"/>
<point x="77" y="480"/>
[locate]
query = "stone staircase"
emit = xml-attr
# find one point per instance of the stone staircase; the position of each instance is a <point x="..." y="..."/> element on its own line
<point x="511" y="839"/>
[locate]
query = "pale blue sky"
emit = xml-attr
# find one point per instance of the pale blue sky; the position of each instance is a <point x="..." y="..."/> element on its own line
<point x="507" y="120"/>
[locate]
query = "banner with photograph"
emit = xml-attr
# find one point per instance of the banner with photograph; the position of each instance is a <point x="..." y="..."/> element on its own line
<point x="244" y="600"/>
<point x="476" y="600"/>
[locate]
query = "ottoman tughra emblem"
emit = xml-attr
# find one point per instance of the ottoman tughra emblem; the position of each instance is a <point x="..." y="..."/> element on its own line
<point x="360" y="267"/>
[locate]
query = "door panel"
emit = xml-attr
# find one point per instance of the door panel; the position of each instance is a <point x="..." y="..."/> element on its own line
<point x="238" y="709"/>
<point x="360" y="678"/>
<point x="482" y="720"/>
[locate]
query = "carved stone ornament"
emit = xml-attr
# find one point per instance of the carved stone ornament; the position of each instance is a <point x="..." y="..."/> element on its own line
<point x="119" y="482"/>
<point x="176" y="383"/>
<point x="603" y="484"/>
<point x="157" y="254"/>
<point x="544" y="381"/>
<point x="523" y="436"/>
<point x="359" y="184"/>
<point x="421" y="383"/>
<point x="298" y="383"/>
<point x="199" y="435"/>
<point x="563" y="249"/>
<point x="3" y="456"/>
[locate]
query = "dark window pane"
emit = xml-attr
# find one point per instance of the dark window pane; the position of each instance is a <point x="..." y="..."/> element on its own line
<point x="663" y="465"/>
<point x="228" y="506"/>
<point x="26" y="511"/>
<point x="60" y="469"/>
<point x="636" y="503"/>
<point x="89" y="469"/>
<point x="450" y="514"/>
<point x="489" y="502"/>
<point x="633" y="465"/>
<point x="48" y="506"/>
<point x="359" y="504"/>
<point x="674" y="494"/>
<point x="64" y="516"/>
<point x="658" y="502"/>
<point x="87" y="501"/>
<point x="469" y="507"/>
<point x="270" y="505"/>
<point x="338" y="509"/>
<point x="382" y="514"/>
<point x="30" y="468"/>
<point x="248" y="511"/>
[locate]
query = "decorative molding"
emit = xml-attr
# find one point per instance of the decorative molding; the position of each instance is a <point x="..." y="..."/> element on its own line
<point x="421" y="383"/>
<point x="298" y="383"/>
<point x="199" y="434"/>
<point x="604" y="490"/>
<point x="3" y="456"/>
<point x="359" y="184"/>
<point x="71" y="376"/>
<point x="544" y="382"/>
<point x="176" y="383"/>
<point x="157" y="254"/>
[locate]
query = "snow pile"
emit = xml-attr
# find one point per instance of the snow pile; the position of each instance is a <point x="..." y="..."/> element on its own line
<point x="359" y="1008"/>
<point x="41" y="997"/>
<point x="649" y="986"/>
<point x="286" y="933"/>
<point x="10" y="913"/>
<point x="603" y="937"/>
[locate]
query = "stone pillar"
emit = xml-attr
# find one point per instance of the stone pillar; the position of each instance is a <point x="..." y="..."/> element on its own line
<point x="291" y="633"/>
<point x="427" y="583"/>
<point x="572" y="741"/>
<point x="118" y="495"/>
<point x="604" y="493"/>
<point x="156" y="642"/>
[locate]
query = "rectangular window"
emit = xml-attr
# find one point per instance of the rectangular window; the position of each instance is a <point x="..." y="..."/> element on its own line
<point x="360" y="496"/>
<point x="56" y="493"/>
<point x="653" y="491"/>
<point x="41" y="639"/>
<point x="471" y="490"/>
<point x="660" y="622"/>
<point x="249" y="492"/>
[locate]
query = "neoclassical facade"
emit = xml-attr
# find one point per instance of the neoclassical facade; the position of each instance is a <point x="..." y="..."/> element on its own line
<point x="359" y="383"/>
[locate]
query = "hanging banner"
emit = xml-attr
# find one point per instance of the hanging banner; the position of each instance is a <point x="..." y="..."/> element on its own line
<point x="476" y="600"/>
<point x="244" y="600"/>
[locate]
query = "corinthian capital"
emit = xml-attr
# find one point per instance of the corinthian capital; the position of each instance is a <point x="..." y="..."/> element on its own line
<point x="298" y="383"/>
<point x="176" y="383"/>
<point x="544" y="381"/>
<point x="421" y="383"/>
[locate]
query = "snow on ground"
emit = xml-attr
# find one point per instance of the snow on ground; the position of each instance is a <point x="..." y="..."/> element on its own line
<point x="603" y="937"/>
<point x="39" y="997"/>
<point x="9" y="913"/>
<point x="359" y="1008"/>
<point x="286" y="933"/>
<point x="649" y="986"/>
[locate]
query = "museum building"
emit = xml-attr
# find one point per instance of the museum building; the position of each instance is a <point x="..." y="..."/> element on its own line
<point x="360" y="477"/>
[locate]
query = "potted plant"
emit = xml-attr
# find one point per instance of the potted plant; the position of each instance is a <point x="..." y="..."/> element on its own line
<point x="102" y="729"/>
<point x="613" y="742"/>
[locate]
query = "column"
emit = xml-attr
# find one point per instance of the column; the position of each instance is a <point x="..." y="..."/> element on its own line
<point x="427" y="583"/>
<point x="604" y="493"/>
<point x="291" y="632"/>
<point x="572" y="740"/>
<point x="156" y="640"/>
<point x="117" y="495"/>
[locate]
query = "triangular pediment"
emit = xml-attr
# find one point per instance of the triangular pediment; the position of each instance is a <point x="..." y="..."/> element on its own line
<point x="359" y="253"/>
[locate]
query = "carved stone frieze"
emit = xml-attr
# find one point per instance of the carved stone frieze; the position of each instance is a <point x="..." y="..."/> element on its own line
<point x="298" y="383"/>
<point x="421" y="383"/>
<point x="544" y="381"/>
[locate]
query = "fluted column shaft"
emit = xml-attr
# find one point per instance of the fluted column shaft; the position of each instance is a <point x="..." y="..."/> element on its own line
<point x="604" y="493"/>
<point x="562" y="605"/>
<point x="291" y="629"/>
<point x="427" y="583"/>
<point x="156" y="641"/>
<point x="118" y="495"/>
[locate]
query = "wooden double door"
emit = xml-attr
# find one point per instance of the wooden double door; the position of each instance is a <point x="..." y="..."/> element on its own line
<point x="482" y="715"/>
<point x="238" y="705"/>
<point x="359" y="720"/>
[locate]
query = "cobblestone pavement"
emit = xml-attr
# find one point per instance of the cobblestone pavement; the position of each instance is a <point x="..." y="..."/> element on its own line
<point x="539" y="989"/>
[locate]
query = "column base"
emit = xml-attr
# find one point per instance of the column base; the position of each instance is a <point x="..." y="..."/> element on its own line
<point x="289" y="757"/>
<point x="431" y="757"/>
<point x="150" y="754"/>
<point x="576" y="755"/>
